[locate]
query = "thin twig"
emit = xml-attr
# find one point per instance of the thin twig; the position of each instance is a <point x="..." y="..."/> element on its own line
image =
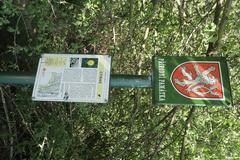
<point x="16" y="30"/>
<point x="145" y="38"/>
<point x="114" y="35"/>
<point x="26" y="28"/>
<point x="15" y="40"/>
<point x="131" y="21"/>
<point x="8" y="122"/>
<point x="41" y="146"/>
<point x="52" y="9"/>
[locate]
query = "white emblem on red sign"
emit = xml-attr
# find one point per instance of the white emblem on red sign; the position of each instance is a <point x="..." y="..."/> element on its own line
<point x="198" y="80"/>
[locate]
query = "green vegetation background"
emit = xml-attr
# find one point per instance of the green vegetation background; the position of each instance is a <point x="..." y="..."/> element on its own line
<point x="129" y="126"/>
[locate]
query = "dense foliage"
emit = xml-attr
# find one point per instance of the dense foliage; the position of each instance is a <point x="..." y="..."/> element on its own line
<point x="129" y="126"/>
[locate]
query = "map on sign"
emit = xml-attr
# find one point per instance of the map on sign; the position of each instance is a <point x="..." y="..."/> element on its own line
<point x="72" y="78"/>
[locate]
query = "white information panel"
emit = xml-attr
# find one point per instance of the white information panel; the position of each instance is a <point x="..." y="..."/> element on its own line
<point x="72" y="78"/>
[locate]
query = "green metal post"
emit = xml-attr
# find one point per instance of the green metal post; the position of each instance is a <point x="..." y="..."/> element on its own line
<point x="131" y="81"/>
<point x="117" y="81"/>
<point x="17" y="78"/>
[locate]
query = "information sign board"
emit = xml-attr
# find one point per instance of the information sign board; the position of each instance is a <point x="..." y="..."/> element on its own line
<point x="72" y="78"/>
<point x="191" y="80"/>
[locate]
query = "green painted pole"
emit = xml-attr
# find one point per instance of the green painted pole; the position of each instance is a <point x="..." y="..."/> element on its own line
<point x="131" y="81"/>
<point x="117" y="81"/>
<point x="17" y="78"/>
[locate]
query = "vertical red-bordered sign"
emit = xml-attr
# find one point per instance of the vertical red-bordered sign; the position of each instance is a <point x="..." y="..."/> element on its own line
<point x="191" y="80"/>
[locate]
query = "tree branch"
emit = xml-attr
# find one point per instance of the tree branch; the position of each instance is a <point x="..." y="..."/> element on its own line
<point x="174" y="139"/>
<point x="52" y="8"/>
<point x="166" y="131"/>
<point x="186" y="127"/>
<point x="213" y="47"/>
<point x="131" y="20"/>
<point x="180" y="5"/>
<point x="21" y="115"/>
<point x="222" y="24"/>
<point x="8" y="122"/>
<point x="172" y="111"/>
